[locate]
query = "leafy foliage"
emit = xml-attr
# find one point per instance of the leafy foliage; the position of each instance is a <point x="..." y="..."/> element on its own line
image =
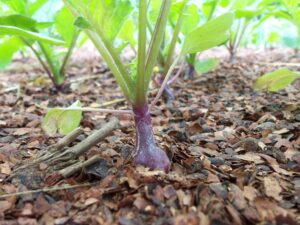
<point x="276" y="80"/>
<point x="206" y="65"/>
<point x="62" y="120"/>
<point x="36" y="36"/>
<point x="205" y="37"/>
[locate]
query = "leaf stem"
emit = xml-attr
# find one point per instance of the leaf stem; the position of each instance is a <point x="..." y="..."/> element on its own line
<point x="156" y="39"/>
<point x="109" y="59"/>
<point x="58" y="78"/>
<point x="140" y="85"/>
<point x="170" y="81"/>
<point x="165" y="82"/>
<point x="40" y="60"/>
<point x="69" y="52"/>
<point x="174" y="38"/>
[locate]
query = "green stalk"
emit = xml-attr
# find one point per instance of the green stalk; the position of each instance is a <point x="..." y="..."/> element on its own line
<point x="165" y="82"/>
<point x="58" y="78"/>
<point x="174" y="38"/>
<point x="142" y="41"/>
<point x="109" y="54"/>
<point x="40" y="60"/>
<point x="156" y="39"/>
<point x="245" y="25"/>
<point x="160" y="58"/>
<point x="114" y="55"/>
<point x="233" y="40"/>
<point x="109" y="59"/>
<point x="68" y="54"/>
<point x="213" y="9"/>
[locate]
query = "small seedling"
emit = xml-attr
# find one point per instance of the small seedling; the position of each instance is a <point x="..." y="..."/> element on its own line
<point x="26" y="31"/>
<point x="276" y="80"/>
<point x="93" y="18"/>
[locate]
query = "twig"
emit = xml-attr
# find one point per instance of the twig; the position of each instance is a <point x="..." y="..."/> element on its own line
<point x="89" y="109"/>
<point x="68" y="139"/>
<point x="69" y="171"/>
<point x="45" y="155"/>
<point x="86" y="144"/>
<point x="56" y="159"/>
<point x="95" y="138"/>
<point x="81" y="79"/>
<point x="48" y="189"/>
<point x="9" y="89"/>
<point x="112" y="102"/>
<point x="279" y="64"/>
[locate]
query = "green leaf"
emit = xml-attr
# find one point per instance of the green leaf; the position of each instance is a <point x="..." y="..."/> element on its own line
<point x="242" y="4"/>
<point x="19" y="6"/>
<point x="7" y="50"/>
<point x="82" y="23"/>
<point x="18" y="20"/>
<point x="127" y="32"/>
<point x="64" y="21"/>
<point x="224" y="3"/>
<point x="191" y="19"/>
<point x="274" y="37"/>
<point x="108" y="15"/>
<point x="291" y="42"/>
<point x="211" y="34"/>
<point x="36" y="5"/>
<point x="209" y="8"/>
<point x="248" y="14"/>
<point x="13" y="30"/>
<point x="275" y="80"/>
<point x="25" y="7"/>
<point x="62" y="120"/>
<point x="206" y="65"/>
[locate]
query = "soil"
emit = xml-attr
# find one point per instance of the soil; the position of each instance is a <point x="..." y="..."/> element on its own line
<point x="235" y="152"/>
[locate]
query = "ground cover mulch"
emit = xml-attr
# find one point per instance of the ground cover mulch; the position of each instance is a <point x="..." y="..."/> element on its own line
<point x="235" y="152"/>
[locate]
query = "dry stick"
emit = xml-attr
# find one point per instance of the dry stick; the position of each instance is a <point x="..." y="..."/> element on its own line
<point x="86" y="144"/>
<point x="65" y="141"/>
<point x="112" y="102"/>
<point x="69" y="171"/>
<point x="84" y="78"/>
<point x="279" y="64"/>
<point x="86" y="109"/>
<point x="9" y="89"/>
<point x="48" y="189"/>
<point x="68" y="139"/>
<point x="95" y="138"/>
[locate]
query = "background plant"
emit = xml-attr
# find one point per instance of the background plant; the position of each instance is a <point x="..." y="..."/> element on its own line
<point x="134" y="81"/>
<point x="21" y="16"/>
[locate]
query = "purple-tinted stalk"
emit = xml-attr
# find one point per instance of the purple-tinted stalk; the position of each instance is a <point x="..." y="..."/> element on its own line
<point x="167" y="93"/>
<point x="147" y="151"/>
<point x="189" y="74"/>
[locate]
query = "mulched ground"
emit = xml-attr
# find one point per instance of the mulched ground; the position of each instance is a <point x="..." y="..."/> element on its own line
<point x="235" y="152"/>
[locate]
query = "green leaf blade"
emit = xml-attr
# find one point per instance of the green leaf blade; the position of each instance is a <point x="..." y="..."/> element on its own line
<point x="276" y="80"/>
<point x="63" y="121"/>
<point x="206" y="65"/>
<point x="13" y="30"/>
<point x="211" y="34"/>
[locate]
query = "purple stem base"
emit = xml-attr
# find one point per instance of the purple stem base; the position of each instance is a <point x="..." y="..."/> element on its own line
<point x="167" y="93"/>
<point x="189" y="74"/>
<point x="232" y="58"/>
<point x="147" y="151"/>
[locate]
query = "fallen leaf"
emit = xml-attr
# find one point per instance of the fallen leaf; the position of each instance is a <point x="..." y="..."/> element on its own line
<point x="272" y="188"/>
